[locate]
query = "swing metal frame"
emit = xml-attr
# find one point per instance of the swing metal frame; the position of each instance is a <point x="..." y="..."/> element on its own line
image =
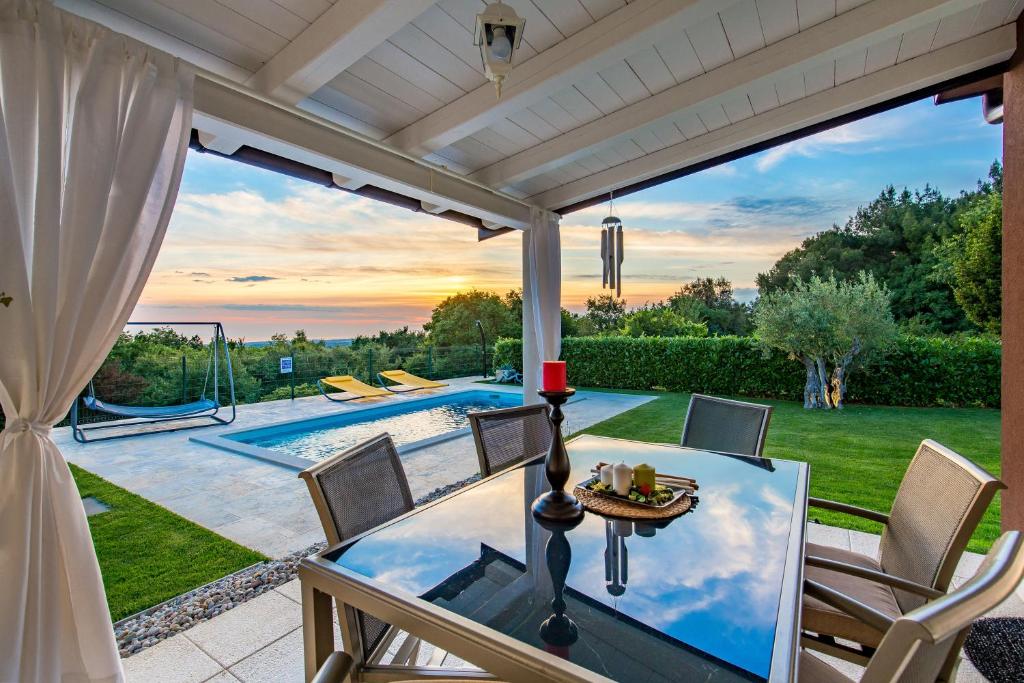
<point x="148" y="415"/>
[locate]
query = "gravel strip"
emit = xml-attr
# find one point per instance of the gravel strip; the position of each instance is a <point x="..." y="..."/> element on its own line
<point x="149" y="627"/>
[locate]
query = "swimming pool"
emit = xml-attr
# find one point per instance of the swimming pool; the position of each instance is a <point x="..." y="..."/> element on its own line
<point x="412" y="423"/>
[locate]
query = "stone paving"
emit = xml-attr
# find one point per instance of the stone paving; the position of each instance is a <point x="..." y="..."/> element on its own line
<point x="261" y="640"/>
<point x="265" y="506"/>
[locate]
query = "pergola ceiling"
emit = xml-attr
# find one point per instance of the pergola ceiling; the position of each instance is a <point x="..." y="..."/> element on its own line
<point x="605" y="92"/>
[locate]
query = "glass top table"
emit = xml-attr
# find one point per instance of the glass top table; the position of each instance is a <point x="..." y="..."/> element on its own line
<point x="712" y="595"/>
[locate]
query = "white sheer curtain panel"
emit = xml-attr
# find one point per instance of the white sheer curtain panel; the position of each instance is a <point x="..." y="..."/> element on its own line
<point x="94" y="129"/>
<point x="542" y="297"/>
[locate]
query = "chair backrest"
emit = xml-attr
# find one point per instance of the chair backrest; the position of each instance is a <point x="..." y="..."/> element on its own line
<point x="725" y="426"/>
<point x="508" y="436"/>
<point x="359" y="489"/>
<point x="938" y="506"/>
<point x="919" y="644"/>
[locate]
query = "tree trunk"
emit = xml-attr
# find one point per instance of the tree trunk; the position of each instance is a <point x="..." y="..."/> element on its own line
<point x="839" y="374"/>
<point x="823" y="383"/>
<point x="812" y="387"/>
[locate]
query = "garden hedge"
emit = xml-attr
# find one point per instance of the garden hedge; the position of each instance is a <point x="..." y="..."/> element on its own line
<point x="917" y="371"/>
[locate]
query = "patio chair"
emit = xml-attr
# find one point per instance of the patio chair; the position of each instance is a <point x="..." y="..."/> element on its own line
<point x="938" y="506"/>
<point x="406" y="381"/>
<point x="508" y="436"/>
<point x="725" y="426"/>
<point x="347" y="507"/>
<point x="924" y="644"/>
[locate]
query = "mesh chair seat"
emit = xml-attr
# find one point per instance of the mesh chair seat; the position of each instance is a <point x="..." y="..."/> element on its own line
<point x="726" y="426"/>
<point x="508" y="436"/>
<point x="347" y="507"/>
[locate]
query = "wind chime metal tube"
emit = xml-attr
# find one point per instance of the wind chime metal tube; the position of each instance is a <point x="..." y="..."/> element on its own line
<point x="612" y="253"/>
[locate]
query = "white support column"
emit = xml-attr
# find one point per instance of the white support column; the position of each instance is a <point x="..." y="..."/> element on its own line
<point x="542" y="298"/>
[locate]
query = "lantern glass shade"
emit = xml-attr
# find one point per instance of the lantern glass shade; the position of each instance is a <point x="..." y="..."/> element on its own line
<point x="499" y="32"/>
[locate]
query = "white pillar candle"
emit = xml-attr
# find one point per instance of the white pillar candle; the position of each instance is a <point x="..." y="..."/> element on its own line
<point x="606" y="475"/>
<point x="622" y="478"/>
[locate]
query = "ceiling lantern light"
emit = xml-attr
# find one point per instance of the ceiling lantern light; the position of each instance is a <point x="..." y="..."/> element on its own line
<point x="499" y="31"/>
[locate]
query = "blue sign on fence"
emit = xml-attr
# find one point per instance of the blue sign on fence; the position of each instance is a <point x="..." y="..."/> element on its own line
<point x="286" y="365"/>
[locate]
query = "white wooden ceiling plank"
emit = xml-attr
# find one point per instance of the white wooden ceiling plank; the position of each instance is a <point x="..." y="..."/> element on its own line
<point x="992" y="14"/>
<point x="427" y="50"/>
<point x="310" y="10"/>
<point x="667" y="132"/>
<point x="709" y="41"/>
<point x="496" y="140"/>
<point x="567" y="173"/>
<point x="516" y="133"/>
<point x="743" y="27"/>
<point x="712" y="115"/>
<point x="690" y="125"/>
<point x="411" y="69"/>
<point x="609" y="156"/>
<point x="578" y="106"/>
<point x="624" y="82"/>
<point x="680" y="57"/>
<point x="651" y="70"/>
<point x="455" y="37"/>
<point x="600" y="94"/>
<point x="191" y="31"/>
<point x="600" y="8"/>
<point x="446" y="162"/>
<point x="763" y="97"/>
<point x="737" y="108"/>
<point x="568" y="16"/>
<point x="883" y="54"/>
<point x="537" y="184"/>
<point x="954" y="28"/>
<point x="1015" y="11"/>
<point x="539" y="32"/>
<point x="592" y="163"/>
<point x="390" y="82"/>
<point x="820" y="77"/>
<point x="811" y="12"/>
<point x="917" y="41"/>
<point x="790" y="88"/>
<point x="851" y="66"/>
<point x="647" y="140"/>
<point x="628" y="149"/>
<point x="230" y="23"/>
<point x="534" y="124"/>
<point x="477" y="153"/>
<point x="379" y="108"/>
<point x="550" y="111"/>
<point x="463" y="11"/>
<point x="778" y="19"/>
<point x="356" y="109"/>
<point x="847" y="5"/>
<point x="270" y="15"/>
<point x="326" y="102"/>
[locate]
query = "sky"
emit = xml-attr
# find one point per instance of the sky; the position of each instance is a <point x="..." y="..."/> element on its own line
<point x="264" y="253"/>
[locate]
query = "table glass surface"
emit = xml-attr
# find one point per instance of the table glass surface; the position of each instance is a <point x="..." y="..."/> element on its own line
<point x="695" y="598"/>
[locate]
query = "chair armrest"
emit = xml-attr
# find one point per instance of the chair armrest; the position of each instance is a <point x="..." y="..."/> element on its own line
<point x="879" y="517"/>
<point x="872" y="575"/>
<point x="335" y="670"/>
<point x="869" y="615"/>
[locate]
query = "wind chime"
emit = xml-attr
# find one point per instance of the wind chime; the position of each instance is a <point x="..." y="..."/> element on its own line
<point x="611" y="250"/>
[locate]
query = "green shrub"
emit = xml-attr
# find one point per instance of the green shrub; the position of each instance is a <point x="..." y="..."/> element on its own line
<point x="917" y="372"/>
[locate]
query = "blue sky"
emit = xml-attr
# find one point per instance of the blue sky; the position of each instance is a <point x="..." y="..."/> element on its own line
<point x="265" y="253"/>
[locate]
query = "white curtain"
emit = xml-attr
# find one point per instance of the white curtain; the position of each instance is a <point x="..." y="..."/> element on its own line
<point x="542" y="297"/>
<point x="93" y="134"/>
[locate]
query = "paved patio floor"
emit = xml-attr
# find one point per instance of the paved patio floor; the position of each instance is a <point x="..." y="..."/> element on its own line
<point x="266" y="506"/>
<point x="261" y="640"/>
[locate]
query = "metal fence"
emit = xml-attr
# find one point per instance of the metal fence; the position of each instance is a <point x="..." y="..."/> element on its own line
<point x="181" y="376"/>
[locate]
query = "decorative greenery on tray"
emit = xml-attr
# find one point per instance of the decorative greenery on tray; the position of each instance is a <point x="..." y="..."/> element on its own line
<point x="659" y="495"/>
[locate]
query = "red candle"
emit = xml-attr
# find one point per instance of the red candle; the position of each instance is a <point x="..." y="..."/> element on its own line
<point x="554" y="375"/>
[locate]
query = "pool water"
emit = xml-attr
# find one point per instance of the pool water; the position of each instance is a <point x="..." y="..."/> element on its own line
<point x="406" y="421"/>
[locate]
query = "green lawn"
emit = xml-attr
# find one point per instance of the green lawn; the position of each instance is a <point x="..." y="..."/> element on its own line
<point x="857" y="455"/>
<point x="148" y="554"/>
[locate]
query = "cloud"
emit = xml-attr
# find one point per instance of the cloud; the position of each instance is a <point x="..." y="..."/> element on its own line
<point x="251" y="278"/>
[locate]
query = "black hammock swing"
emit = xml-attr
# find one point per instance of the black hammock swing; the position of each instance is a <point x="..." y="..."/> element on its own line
<point x="207" y="407"/>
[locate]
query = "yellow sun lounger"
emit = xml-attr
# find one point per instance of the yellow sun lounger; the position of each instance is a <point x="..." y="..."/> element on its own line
<point x="350" y="387"/>
<point x="407" y="382"/>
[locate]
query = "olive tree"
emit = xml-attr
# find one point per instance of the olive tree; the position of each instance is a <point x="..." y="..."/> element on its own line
<point x="828" y="326"/>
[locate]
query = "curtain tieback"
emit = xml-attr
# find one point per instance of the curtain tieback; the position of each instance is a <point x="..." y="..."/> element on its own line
<point x="19" y="424"/>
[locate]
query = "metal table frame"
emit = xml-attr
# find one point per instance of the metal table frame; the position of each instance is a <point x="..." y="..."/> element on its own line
<point x="502" y="656"/>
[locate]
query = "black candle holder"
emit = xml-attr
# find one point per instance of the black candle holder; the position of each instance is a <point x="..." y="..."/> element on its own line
<point x="556" y="505"/>
<point x="558" y="631"/>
